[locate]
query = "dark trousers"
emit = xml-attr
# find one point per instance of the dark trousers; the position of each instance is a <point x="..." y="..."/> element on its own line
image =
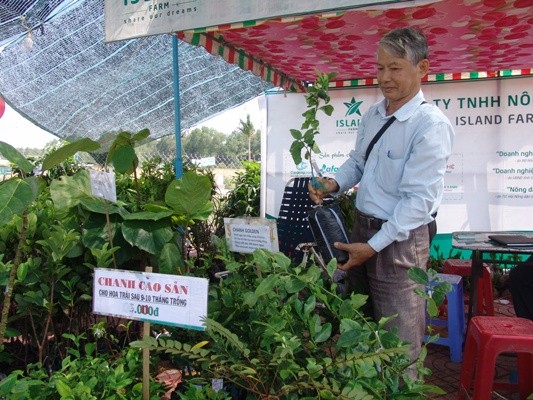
<point x="521" y="287"/>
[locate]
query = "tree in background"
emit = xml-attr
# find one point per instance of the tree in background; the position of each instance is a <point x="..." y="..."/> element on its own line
<point x="204" y="142"/>
<point x="245" y="140"/>
<point x="164" y="145"/>
<point x="235" y="145"/>
<point x="207" y="142"/>
<point x="248" y="130"/>
<point x="256" y="145"/>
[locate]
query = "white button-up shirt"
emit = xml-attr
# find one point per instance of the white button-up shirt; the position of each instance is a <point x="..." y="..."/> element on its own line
<point x="402" y="181"/>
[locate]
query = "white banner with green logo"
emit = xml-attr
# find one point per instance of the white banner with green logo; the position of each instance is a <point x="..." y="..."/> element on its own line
<point x="126" y="19"/>
<point x="489" y="177"/>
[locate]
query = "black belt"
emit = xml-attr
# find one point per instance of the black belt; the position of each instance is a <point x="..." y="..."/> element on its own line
<point x="369" y="222"/>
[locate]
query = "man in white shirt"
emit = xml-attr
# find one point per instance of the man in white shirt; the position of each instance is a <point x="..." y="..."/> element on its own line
<point x="400" y="186"/>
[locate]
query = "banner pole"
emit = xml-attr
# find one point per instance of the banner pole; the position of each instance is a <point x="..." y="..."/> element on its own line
<point x="178" y="163"/>
<point x="146" y="357"/>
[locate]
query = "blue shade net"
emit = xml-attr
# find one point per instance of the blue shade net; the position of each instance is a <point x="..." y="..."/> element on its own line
<point x="73" y="85"/>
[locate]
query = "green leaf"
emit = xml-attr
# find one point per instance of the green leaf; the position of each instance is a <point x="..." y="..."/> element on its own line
<point x="9" y="383"/>
<point x="418" y="275"/>
<point x="13" y="155"/>
<point x="328" y="109"/>
<point x="69" y="190"/>
<point x="309" y="305"/>
<point x="296" y="134"/>
<point x="101" y="206"/>
<point x="65" y="152"/>
<point x="294" y="285"/>
<point x="148" y="237"/>
<point x="170" y="259"/>
<point x="368" y="370"/>
<point x="266" y="285"/>
<point x="141" y="135"/>
<point x="125" y="160"/>
<point x="306" y="124"/>
<point x="190" y="196"/>
<point x="35" y="184"/>
<point x="22" y="271"/>
<point x="148" y="216"/>
<point x="278" y="323"/>
<point x="432" y="308"/>
<point x="149" y="342"/>
<point x="278" y="258"/>
<point x="11" y="333"/>
<point x="95" y="230"/>
<point x="16" y="195"/>
<point x="230" y="337"/>
<point x="249" y="299"/>
<point x="422" y="293"/>
<point x="351" y="338"/>
<point x="324" y="334"/>
<point x="124" y="138"/>
<point x="309" y="137"/>
<point x="90" y="348"/>
<point x="443" y="287"/>
<point x="323" y="94"/>
<point x="356" y="301"/>
<point x="296" y="152"/>
<point x="310" y="115"/>
<point x="438" y="297"/>
<point x="63" y="389"/>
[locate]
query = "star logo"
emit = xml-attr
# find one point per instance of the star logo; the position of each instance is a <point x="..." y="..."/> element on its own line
<point x="353" y="107"/>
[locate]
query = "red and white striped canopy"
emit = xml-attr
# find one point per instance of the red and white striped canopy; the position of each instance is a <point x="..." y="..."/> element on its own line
<point x="468" y="39"/>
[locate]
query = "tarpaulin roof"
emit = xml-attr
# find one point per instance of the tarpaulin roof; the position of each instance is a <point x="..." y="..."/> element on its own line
<point x="74" y="85"/>
<point x="465" y="37"/>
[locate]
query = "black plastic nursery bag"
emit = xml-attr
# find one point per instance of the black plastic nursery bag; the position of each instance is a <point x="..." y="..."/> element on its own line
<point x="327" y="227"/>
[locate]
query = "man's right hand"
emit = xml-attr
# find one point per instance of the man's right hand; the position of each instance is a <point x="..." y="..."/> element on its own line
<point x="321" y="189"/>
<point x="359" y="253"/>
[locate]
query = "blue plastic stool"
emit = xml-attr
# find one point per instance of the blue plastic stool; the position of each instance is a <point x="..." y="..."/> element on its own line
<point x="455" y="321"/>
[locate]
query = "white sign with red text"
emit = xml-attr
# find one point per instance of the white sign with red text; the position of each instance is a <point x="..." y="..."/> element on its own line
<point x="151" y="297"/>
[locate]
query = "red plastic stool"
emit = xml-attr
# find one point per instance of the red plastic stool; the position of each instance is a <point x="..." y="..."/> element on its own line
<point x="486" y="338"/>
<point x="485" y="295"/>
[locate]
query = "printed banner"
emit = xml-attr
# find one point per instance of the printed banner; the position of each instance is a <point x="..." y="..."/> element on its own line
<point x="128" y="19"/>
<point x="489" y="177"/>
<point x="164" y="299"/>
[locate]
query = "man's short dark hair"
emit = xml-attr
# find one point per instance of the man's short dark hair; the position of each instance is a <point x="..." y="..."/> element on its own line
<point x="409" y="43"/>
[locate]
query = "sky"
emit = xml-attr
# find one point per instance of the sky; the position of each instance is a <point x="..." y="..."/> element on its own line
<point x="21" y="133"/>
<point x="229" y="120"/>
